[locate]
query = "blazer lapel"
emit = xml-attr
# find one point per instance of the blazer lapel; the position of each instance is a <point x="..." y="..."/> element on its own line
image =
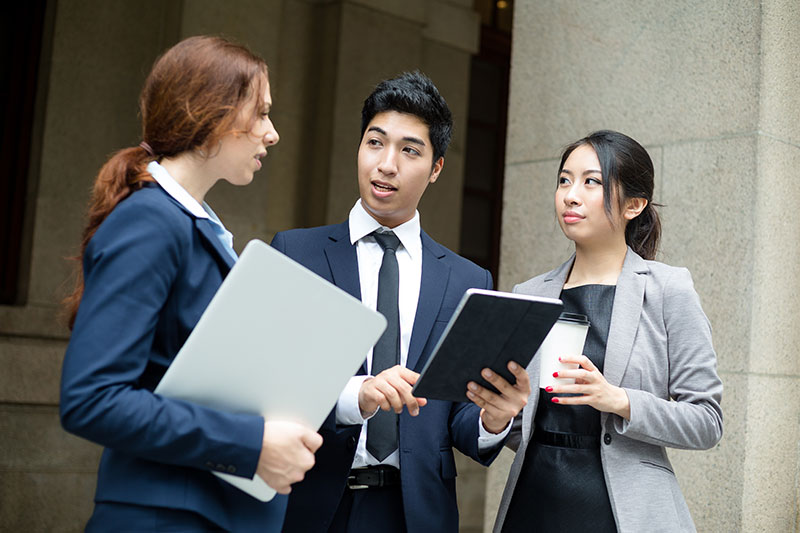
<point x="203" y="225"/>
<point x="343" y="261"/>
<point x="549" y="287"/>
<point x="435" y="275"/>
<point x="628" y="300"/>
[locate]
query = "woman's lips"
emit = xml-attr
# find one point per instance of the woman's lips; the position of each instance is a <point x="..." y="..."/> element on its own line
<point x="258" y="157"/>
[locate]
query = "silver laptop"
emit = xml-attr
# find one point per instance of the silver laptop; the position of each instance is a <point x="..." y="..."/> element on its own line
<point x="276" y="340"/>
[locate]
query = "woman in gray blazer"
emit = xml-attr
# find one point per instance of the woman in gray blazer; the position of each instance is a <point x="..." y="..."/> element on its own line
<point x="591" y="455"/>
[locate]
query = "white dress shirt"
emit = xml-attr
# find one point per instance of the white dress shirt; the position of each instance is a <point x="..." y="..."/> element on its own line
<point x="182" y="196"/>
<point x="409" y="262"/>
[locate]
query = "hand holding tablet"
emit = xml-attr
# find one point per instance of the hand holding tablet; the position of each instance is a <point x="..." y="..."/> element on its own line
<point x="489" y="329"/>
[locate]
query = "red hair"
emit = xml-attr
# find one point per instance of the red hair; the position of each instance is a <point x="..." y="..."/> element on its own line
<point x="190" y="99"/>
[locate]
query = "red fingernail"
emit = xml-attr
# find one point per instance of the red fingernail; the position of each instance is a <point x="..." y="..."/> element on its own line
<point x="555" y="400"/>
<point x="559" y="359"/>
<point x="549" y="389"/>
<point x="555" y="374"/>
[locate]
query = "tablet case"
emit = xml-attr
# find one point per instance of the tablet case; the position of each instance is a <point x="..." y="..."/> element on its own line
<point x="488" y="329"/>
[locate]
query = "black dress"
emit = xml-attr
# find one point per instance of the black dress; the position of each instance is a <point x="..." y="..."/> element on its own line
<point x="561" y="487"/>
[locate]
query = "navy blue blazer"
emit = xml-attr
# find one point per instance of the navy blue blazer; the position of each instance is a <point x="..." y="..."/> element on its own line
<point x="149" y="273"/>
<point x="427" y="465"/>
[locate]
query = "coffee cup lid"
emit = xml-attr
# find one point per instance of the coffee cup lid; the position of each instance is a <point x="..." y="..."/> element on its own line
<point x="574" y="318"/>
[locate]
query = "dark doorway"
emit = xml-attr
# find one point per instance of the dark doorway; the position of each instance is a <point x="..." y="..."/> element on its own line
<point x="24" y="38"/>
<point x="481" y="214"/>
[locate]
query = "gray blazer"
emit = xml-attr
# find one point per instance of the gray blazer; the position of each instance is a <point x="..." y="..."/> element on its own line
<point x="659" y="350"/>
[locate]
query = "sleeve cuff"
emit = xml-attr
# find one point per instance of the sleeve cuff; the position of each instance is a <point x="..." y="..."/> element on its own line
<point x="623" y="426"/>
<point x="347" y="411"/>
<point x="488" y="440"/>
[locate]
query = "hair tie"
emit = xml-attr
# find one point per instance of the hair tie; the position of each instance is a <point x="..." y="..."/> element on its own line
<point x="146" y="147"/>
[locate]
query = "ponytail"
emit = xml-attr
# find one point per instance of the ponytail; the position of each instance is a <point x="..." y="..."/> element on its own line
<point x="643" y="233"/>
<point x="124" y="173"/>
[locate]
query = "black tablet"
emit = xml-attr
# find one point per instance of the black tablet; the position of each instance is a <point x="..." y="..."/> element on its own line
<point x="487" y="329"/>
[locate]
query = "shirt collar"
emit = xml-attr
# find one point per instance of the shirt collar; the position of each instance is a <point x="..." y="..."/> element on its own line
<point x="362" y="224"/>
<point x="174" y="189"/>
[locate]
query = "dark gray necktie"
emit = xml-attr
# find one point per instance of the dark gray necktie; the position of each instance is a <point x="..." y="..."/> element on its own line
<point x="382" y="428"/>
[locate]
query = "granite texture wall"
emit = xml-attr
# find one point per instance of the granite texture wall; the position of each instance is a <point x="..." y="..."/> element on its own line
<point x="710" y="89"/>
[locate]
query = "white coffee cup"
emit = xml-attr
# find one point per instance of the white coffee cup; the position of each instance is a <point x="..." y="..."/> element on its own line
<point x="567" y="337"/>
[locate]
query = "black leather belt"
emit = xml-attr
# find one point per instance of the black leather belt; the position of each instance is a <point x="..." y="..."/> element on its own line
<point x="566" y="440"/>
<point x="373" y="476"/>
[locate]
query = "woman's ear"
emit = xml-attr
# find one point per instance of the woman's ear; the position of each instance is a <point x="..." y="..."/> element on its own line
<point x="634" y="207"/>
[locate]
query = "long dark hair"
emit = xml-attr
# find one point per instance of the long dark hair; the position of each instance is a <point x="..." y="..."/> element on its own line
<point x="190" y="99"/>
<point x="627" y="170"/>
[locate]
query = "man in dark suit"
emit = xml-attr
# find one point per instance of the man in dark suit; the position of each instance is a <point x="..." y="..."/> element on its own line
<point x="382" y="467"/>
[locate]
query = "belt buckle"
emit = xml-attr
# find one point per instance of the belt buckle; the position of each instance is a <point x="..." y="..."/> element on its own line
<point x="352" y="485"/>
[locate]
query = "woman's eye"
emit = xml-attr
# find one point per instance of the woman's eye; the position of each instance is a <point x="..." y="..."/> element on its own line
<point x="593" y="181"/>
<point x="563" y="180"/>
<point x="373" y="142"/>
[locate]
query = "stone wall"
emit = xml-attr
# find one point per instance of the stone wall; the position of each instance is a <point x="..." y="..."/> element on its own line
<point x="710" y="89"/>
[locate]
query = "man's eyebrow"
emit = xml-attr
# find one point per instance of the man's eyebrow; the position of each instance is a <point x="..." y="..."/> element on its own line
<point x="415" y="140"/>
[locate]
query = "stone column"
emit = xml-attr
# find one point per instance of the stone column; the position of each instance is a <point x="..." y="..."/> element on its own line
<point x="710" y="89"/>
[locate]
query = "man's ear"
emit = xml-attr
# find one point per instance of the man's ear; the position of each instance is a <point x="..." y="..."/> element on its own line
<point x="437" y="169"/>
<point x="634" y="207"/>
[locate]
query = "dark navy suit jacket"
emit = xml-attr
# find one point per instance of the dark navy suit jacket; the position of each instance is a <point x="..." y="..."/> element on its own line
<point x="427" y="464"/>
<point x="150" y="271"/>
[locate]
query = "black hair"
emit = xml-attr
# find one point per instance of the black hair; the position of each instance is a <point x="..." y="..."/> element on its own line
<point x="415" y="94"/>
<point x="627" y="169"/>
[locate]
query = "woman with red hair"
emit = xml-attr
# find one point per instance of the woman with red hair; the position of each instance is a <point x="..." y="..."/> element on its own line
<point x="153" y="255"/>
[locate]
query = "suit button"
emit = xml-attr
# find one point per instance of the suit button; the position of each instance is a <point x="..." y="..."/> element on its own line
<point x="231" y="469"/>
<point x="220" y="467"/>
<point x="607" y="438"/>
<point x="351" y="443"/>
<point x="209" y="465"/>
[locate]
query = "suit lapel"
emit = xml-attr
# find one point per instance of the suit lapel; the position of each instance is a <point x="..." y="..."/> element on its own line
<point x="203" y="225"/>
<point x="549" y="287"/>
<point x="343" y="261"/>
<point x="435" y="275"/>
<point x="628" y="300"/>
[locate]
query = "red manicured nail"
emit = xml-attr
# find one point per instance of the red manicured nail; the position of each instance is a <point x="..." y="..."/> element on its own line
<point x="559" y="359"/>
<point x="555" y="374"/>
<point x="548" y="389"/>
<point x="555" y="400"/>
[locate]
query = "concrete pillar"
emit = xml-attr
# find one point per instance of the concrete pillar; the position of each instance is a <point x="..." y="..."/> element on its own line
<point x="710" y="89"/>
